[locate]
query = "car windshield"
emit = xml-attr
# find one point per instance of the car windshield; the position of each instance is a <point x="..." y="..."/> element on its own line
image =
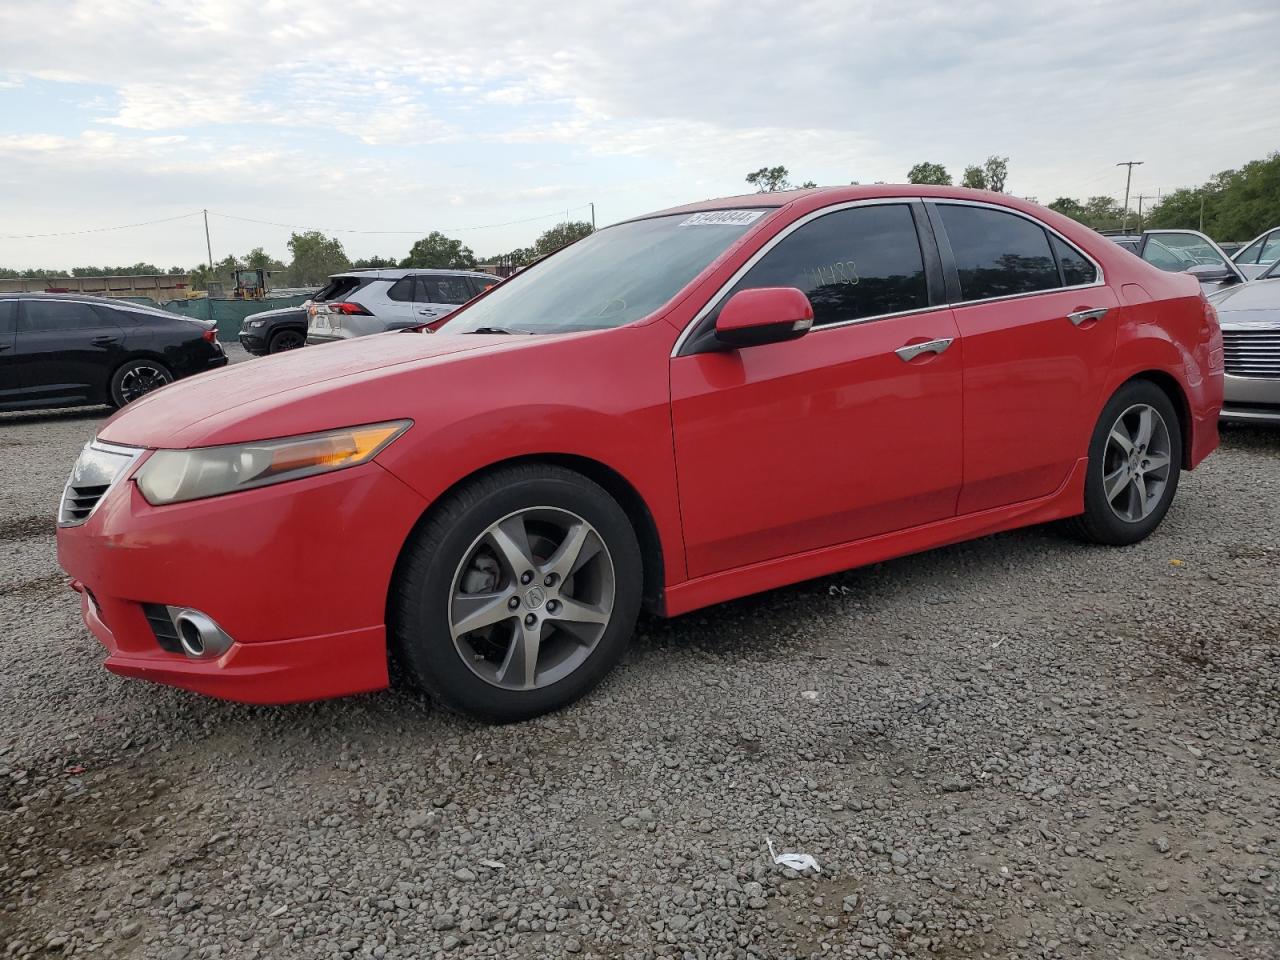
<point x="614" y="276"/>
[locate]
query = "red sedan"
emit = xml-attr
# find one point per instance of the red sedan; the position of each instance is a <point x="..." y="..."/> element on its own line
<point x="677" y="410"/>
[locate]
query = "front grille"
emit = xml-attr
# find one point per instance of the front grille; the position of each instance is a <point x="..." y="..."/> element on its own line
<point x="162" y="626"/>
<point x="78" y="502"/>
<point x="1252" y="353"/>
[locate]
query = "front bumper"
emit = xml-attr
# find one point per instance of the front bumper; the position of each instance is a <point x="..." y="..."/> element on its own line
<point x="297" y="574"/>
<point x="1250" y="400"/>
<point x="253" y="343"/>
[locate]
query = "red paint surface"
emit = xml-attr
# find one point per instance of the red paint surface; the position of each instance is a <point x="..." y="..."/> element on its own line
<point x="759" y="467"/>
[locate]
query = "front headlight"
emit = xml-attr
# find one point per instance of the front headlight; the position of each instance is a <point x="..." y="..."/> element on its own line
<point x="172" y="476"/>
<point x="255" y="324"/>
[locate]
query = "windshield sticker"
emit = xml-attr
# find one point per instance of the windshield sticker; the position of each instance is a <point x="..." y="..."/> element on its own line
<point x="719" y="218"/>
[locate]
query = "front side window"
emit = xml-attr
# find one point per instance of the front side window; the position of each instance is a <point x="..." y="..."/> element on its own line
<point x="613" y="277"/>
<point x="1250" y="253"/>
<point x="8" y="317"/>
<point x="998" y="254"/>
<point x="59" y="315"/>
<point x="852" y="264"/>
<point x="1076" y="270"/>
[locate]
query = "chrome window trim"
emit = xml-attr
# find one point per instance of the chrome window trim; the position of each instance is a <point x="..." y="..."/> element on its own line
<point x="786" y="231"/>
<point x="131" y="453"/>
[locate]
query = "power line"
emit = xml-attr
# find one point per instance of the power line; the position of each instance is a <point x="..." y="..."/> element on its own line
<point x="411" y="233"/>
<point x="76" y="233"/>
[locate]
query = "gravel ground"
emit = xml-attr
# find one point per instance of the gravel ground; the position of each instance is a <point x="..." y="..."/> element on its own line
<point x="1016" y="747"/>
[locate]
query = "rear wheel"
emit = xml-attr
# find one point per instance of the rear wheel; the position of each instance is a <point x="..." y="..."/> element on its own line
<point x="518" y="594"/>
<point x="286" y="340"/>
<point x="136" y="379"/>
<point x="1135" y="459"/>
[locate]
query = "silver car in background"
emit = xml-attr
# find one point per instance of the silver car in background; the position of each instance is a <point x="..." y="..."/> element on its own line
<point x="1258" y="254"/>
<point x="1250" y="317"/>
<point x="362" y="302"/>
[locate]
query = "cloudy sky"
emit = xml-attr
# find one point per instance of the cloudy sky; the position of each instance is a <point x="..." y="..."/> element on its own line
<point x="391" y="116"/>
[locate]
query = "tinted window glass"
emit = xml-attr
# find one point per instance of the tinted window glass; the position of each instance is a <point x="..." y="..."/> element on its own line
<point x="59" y="315"/>
<point x="1184" y="248"/>
<point x="8" y="316"/>
<point x="448" y="289"/>
<point x="481" y="284"/>
<point x="338" y="288"/>
<point x="1075" y="268"/>
<point x="402" y="290"/>
<point x="998" y="254"/>
<point x="861" y="262"/>
<point x="1250" y="253"/>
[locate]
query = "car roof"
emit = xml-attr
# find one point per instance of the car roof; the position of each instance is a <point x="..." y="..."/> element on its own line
<point x="117" y="302"/>
<point x="399" y="273"/>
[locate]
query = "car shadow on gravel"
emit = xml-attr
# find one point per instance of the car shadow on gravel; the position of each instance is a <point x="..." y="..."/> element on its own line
<point x="60" y="415"/>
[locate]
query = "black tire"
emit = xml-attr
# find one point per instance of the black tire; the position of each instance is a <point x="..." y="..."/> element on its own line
<point x="124" y="382"/>
<point x="283" y="340"/>
<point x="421" y="591"/>
<point x="1100" y="523"/>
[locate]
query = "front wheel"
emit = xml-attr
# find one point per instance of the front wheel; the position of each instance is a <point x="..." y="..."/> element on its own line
<point x="136" y="379"/>
<point x="518" y="594"/>
<point x="1135" y="459"/>
<point x="286" y="340"/>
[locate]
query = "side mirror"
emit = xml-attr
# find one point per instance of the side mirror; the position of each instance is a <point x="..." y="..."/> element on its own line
<point x="764" y="315"/>
<point x="1212" y="273"/>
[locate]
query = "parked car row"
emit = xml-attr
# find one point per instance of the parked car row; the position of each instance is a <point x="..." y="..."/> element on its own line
<point x="676" y="410"/>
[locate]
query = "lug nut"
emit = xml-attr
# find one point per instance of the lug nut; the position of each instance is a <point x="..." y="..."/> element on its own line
<point x="550" y="580"/>
<point x="553" y="606"/>
<point x="530" y="620"/>
<point x="513" y="603"/>
<point x="526" y="577"/>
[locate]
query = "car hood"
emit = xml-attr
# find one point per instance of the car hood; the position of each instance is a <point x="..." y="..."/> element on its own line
<point x="1249" y="305"/>
<point x="278" y="312"/>
<point x="191" y="412"/>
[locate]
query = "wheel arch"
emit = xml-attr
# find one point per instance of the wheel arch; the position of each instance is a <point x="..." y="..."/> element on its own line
<point x="614" y="483"/>
<point x="1171" y="388"/>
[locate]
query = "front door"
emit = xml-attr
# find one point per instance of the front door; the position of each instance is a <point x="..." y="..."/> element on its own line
<point x="10" y="387"/>
<point x="850" y="431"/>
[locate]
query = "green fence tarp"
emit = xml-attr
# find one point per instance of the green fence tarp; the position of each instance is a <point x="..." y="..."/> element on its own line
<point x="228" y="313"/>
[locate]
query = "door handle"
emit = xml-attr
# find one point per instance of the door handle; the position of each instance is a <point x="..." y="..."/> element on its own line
<point x="912" y="350"/>
<point x="105" y="341"/>
<point x="1083" y="316"/>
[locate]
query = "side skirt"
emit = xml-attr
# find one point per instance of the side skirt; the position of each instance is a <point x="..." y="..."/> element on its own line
<point x="1066" y="501"/>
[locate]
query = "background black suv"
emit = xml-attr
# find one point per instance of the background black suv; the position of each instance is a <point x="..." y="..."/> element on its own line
<point x="66" y="350"/>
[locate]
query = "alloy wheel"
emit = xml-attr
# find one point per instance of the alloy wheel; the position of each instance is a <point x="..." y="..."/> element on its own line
<point x="141" y="380"/>
<point x="288" y="340"/>
<point x="1136" y="463"/>
<point x="531" y="598"/>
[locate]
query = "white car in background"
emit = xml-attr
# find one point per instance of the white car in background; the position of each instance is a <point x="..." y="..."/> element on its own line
<point x="1249" y="314"/>
<point x="1258" y="254"/>
<point x="362" y="302"/>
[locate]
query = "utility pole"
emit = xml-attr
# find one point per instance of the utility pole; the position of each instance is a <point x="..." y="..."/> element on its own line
<point x="593" y="216"/>
<point x="207" y="244"/>
<point x="1124" y="219"/>
<point x="1202" y="211"/>
<point x="1141" y="197"/>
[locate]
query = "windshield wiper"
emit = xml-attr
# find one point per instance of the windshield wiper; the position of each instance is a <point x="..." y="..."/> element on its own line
<point x="500" y="330"/>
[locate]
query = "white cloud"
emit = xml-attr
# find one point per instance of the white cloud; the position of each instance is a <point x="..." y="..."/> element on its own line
<point x="366" y="109"/>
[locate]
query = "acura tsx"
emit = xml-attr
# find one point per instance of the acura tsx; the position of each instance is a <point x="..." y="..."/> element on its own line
<point x="677" y="410"/>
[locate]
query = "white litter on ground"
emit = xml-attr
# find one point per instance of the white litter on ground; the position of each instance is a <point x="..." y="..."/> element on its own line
<point x="800" y="862"/>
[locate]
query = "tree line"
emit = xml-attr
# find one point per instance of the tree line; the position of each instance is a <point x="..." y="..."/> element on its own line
<point x="313" y="257"/>
<point x="1231" y="205"/>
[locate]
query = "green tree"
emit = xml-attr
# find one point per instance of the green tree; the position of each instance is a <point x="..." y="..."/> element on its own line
<point x="435" y="251"/>
<point x="769" y="179"/>
<point x="315" y="257"/>
<point x="995" y="171"/>
<point x="259" y="259"/>
<point x="1068" y="207"/>
<point x="561" y="235"/>
<point x="373" y="263"/>
<point x="926" y="172"/>
<point x="974" y="177"/>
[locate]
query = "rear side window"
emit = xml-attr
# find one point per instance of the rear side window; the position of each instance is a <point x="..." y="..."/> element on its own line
<point x="1270" y="249"/>
<point x="60" y="315"/>
<point x="1250" y="253"/>
<point x="1076" y="270"/>
<point x="444" y="289"/>
<point x="401" y="291"/>
<point x="855" y="263"/>
<point x="998" y="254"/>
<point x="339" y="288"/>
<point x="8" y="317"/>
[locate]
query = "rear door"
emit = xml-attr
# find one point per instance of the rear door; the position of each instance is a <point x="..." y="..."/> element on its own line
<point x="441" y="294"/>
<point x="1039" y="331"/>
<point x="67" y="350"/>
